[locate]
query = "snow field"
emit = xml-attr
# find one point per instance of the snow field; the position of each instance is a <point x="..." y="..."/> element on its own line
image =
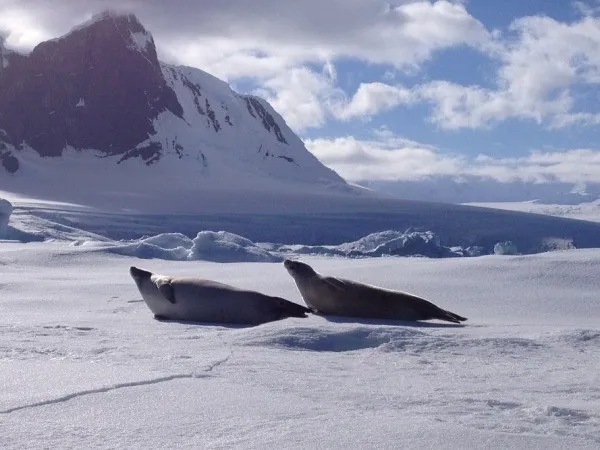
<point x="82" y="358"/>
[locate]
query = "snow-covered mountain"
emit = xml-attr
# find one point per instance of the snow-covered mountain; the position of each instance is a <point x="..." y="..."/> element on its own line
<point x="98" y="97"/>
<point x="98" y="134"/>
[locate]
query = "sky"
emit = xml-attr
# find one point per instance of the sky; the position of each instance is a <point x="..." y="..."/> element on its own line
<point x="388" y="90"/>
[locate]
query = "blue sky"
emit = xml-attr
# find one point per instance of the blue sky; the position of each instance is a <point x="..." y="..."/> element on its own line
<point x="391" y="89"/>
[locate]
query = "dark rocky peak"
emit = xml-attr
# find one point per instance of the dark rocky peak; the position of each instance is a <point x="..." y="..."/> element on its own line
<point x="97" y="87"/>
<point x="255" y="108"/>
<point x="122" y="33"/>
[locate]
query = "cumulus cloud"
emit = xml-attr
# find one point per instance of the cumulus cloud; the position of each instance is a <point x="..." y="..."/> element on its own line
<point x="386" y="157"/>
<point x="587" y="8"/>
<point x="307" y="98"/>
<point x="377" y="31"/>
<point x="539" y="70"/>
<point x="304" y="97"/>
<point x="372" y="98"/>
<point x="389" y="157"/>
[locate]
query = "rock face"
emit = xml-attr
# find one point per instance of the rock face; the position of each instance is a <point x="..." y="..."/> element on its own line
<point x="97" y="87"/>
<point x="101" y="89"/>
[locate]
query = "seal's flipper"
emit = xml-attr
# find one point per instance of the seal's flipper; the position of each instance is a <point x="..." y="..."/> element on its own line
<point x="166" y="290"/>
<point x="448" y="316"/>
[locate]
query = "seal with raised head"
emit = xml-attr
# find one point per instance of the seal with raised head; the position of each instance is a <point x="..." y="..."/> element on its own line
<point x="341" y="297"/>
<point x="201" y="300"/>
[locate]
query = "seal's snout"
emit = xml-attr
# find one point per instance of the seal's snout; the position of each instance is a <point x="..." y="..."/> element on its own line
<point x="138" y="273"/>
<point x="292" y="266"/>
<point x="297" y="268"/>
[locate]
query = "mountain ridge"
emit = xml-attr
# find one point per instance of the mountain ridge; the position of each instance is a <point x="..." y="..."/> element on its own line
<point x="101" y="88"/>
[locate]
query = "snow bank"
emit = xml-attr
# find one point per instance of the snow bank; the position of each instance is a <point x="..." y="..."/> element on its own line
<point x="169" y="246"/>
<point x="390" y="243"/>
<point x="6" y="209"/>
<point x="219" y="246"/>
<point x="408" y="243"/>
<point x="505" y="248"/>
<point x="222" y="246"/>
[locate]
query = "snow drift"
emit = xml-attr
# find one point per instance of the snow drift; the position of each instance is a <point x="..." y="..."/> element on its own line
<point x="225" y="247"/>
<point x="219" y="246"/>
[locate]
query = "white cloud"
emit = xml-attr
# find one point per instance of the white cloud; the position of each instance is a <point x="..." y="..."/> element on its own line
<point x="312" y="30"/>
<point x="303" y="97"/>
<point x="373" y="98"/>
<point x="457" y="106"/>
<point x="389" y="157"/>
<point x="21" y="27"/>
<point x="570" y="166"/>
<point x="307" y="98"/>
<point x="539" y="69"/>
<point x="587" y="8"/>
<point x="538" y="72"/>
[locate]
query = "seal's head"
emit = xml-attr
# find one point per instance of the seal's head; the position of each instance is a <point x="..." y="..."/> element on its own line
<point x="156" y="290"/>
<point x="298" y="269"/>
<point x="143" y="279"/>
<point x="139" y="275"/>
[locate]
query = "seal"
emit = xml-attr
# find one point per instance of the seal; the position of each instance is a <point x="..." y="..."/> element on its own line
<point x="340" y="297"/>
<point x="201" y="300"/>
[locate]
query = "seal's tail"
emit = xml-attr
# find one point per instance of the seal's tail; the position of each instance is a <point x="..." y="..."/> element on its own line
<point x="291" y="309"/>
<point x="299" y="310"/>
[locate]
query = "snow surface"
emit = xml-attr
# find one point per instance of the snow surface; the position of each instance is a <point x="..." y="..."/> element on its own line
<point x="223" y="130"/>
<point x="83" y="360"/>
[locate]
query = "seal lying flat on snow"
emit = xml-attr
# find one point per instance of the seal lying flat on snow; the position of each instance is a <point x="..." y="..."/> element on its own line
<point x="199" y="300"/>
<point x="337" y="296"/>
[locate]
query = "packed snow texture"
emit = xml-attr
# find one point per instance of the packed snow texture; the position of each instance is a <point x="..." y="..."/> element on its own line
<point x="6" y="209"/>
<point x="83" y="359"/>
